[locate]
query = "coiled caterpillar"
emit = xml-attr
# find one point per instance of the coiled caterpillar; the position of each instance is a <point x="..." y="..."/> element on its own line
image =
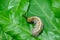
<point x="38" y="25"/>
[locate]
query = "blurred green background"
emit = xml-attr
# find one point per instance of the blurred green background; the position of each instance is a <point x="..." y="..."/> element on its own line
<point x="13" y="26"/>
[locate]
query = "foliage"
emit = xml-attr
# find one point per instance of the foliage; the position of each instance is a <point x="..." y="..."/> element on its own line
<point x="13" y="26"/>
<point x="56" y="7"/>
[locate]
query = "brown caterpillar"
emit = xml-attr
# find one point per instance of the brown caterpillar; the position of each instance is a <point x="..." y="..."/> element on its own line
<point x="38" y="25"/>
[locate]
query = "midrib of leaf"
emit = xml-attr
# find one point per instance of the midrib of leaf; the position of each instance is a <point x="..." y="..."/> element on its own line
<point x="17" y="6"/>
<point x="46" y="15"/>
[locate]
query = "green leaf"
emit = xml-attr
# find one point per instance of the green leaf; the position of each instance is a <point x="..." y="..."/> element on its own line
<point x="42" y="9"/>
<point x="4" y="36"/>
<point x="11" y="18"/>
<point x="56" y="7"/>
<point x="15" y="26"/>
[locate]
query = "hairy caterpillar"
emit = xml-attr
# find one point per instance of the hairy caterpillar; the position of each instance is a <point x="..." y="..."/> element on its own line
<point x="38" y="25"/>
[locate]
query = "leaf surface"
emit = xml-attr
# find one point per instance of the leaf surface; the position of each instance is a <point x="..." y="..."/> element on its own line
<point x="56" y="8"/>
<point x="15" y="27"/>
<point x="42" y="9"/>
